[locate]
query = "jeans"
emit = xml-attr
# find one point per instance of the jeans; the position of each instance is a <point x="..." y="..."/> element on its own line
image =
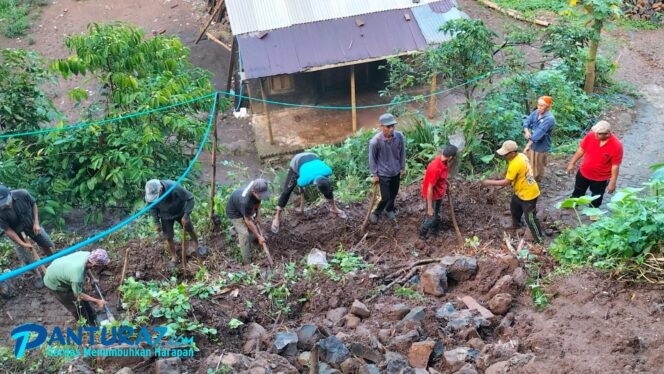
<point x="582" y="184"/>
<point x="432" y="224"/>
<point x="519" y="208"/>
<point x="389" y="188"/>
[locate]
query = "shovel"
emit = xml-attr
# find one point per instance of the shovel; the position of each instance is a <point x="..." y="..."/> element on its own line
<point x="109" y="315"/>
<point x="457" y="140"/>
<point x="372" y="202"/>
<point x="264" y="246"/>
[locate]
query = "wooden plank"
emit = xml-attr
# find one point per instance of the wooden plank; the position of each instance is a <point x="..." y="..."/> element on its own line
<point x="432" y="98"/>
<point x="514" y="13"/>
<point x="474" y="305"/>
<point x="217" y="9"/>
<point x="213" y="183"/>
<point x="352" y="98"/>
<point x="214" y="39"/>
<point x="267" y="111"/>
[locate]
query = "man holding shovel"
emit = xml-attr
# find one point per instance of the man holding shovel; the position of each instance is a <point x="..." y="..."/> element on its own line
<point x="433" y="189"/>
<point x="65" y="277"/>
<point x="242" y="209"/>
<point x="387" y="163"/>
<point x="305" y="169"/>
<point x="176" y="206"/>
<point x="526" y="191"/>
<point x="19" y="215"/>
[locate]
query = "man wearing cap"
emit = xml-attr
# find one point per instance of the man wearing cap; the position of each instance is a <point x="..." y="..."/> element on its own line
<point x="602" y="153"/>
<point x="18" y="216"/>
<point x="306" y="169"/>
<point x="176" y="206"/>
<point x="537" y="129"/>
<point x="387" y="163"/>
<point x="526" y="191"/>
<point x="65" y="277"/>
<point x="242" y="209"/>
<point x="433" y="189"/>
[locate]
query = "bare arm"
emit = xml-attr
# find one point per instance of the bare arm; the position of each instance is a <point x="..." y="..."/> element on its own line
<point x="254" y="230"/>
<point x="11" y="234"/>
<point x="614" y="178"/>
<point x="577" y="155"/>
<point x="497" y="182"/>
<point x="430" y="200"/>
<point x="85" y="297"/>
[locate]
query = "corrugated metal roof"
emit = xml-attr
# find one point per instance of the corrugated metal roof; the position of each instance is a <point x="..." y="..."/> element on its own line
<point x="263" y="15"/>
<point x="432" y="16"/>
<point x="307" y="46"/>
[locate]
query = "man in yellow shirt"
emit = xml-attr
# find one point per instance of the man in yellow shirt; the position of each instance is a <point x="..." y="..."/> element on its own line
<point x="526" y="191"/>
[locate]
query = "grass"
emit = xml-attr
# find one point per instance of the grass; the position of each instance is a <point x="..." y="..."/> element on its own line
<point x="15" y="16"/>
<point x="530" y="7"/>
<point x="638" y="24"/>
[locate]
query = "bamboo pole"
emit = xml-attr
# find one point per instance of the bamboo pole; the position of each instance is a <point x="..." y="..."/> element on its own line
<point x="213" y="182"/>
<point x="432" y="98"/>
<point x="352" y="97"/>
<point x="267" y="111"/>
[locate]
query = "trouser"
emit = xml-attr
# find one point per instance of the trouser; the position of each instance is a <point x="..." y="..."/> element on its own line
<point x="527" y="208"/>
<point x="43" y="240"/>
<point x="537" y="162"/>
<point x="78" y="308"/>
<point x="582" y="184"/>
<point x="432" y="224"/>
<point x="246" y="239"/>
<point x="167" y="226"/>
<point x="389" y="188"/>
<point x="291" y="183"/>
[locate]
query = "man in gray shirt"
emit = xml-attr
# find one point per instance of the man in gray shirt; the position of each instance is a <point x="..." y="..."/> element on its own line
<point x="387" y="163"/>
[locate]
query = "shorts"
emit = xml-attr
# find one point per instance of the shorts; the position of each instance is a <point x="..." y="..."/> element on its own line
<point x="167" y="226"/>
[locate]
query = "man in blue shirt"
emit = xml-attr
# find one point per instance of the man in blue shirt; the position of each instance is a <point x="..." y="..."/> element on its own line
<point x="537" y="129"/>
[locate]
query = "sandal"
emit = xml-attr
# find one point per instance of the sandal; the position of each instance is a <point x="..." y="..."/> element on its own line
<point x="275" y="227"/>
<point x="340" y="213"/>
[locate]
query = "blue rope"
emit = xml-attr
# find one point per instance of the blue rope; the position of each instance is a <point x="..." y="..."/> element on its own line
<point x="122" y="224"/>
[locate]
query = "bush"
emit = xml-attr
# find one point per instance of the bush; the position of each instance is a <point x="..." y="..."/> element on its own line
<point x="14" y="18"/>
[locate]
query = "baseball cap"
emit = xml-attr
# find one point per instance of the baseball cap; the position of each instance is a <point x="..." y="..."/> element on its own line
<point x="260" y="187"/>
<point x="152" y="190"/>
<point x="387" y="120"/>
<point x="5" y="196"/>
<point x="508" y="146"/>
<point x="601" y="127"/>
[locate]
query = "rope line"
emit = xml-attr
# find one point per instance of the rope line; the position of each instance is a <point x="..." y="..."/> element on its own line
<point x="104" y="121"/>
<point x="64" y="252"/>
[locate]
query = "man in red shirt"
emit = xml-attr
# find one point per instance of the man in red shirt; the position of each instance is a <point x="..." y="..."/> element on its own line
<point x="602" y="154"/>
<point x="433" y="190"/>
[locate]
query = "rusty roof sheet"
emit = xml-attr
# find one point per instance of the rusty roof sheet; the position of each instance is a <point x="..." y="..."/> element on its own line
<point x="264" y="15"/>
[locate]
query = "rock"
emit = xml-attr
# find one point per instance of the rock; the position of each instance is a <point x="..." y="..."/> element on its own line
<point x="351" y="365"/>
<point x="352" y="321"/>
<point x="395" y="362"/>
<point x="434" y="280"/>
<point x="316" y="257"/>
<point x="433" y="371"/>
<point x="404" y="327"/>
<point x="332" y="350"/>
<point x="421" y="371"/>
<point x="235" y="362"/>
<point x="503" y="285"/>
<point x="167" y="366"/>
<point x="402" y="342"/>
<point x="472" y="304"/>
<point x="304" y="358"/>
<point x="476" y="343"/>
<point x="416" y="314"/>
<point x="445" y="311"/>
<point x="369" y="369"/>
<point x="438" y="350"/>
<point x="384" y="335"/>
<point x="360" y="310"/>
<point x="271" y="363"/>
<point x="500" y="303"/>
<point x="343" y="336"/>
<point x="365" y="352"/>
<point x="419" y="353"/>
<point x="324" y="368"/>
<point x="457" y="357"/>
<point x="285" y="343"/>
<point x="6" y="290"/>
<point x="414" y="280"/>
<point x="335" y="315"/>
<point x="125" y="371"/>
<point x="468" y="333"/>
<point x="462" y="269"/>
<point x="257" y="370"/>
<point x="492" y="353"/>
<point x="466" y="369"/>
<point x="520" y="277"/>
<point x="307" y="336"/>
<point x="254" y="334"/>
<point x="501" y="367"/>
<point x="520" y="360"/>
<point x="395" y="312"/>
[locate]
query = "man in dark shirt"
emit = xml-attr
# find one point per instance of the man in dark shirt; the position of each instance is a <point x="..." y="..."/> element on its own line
<point x="387" y="163"/>
<point x="242" y="209"/>
<point x="177" y="206"/>
<point x="19" y="216"/>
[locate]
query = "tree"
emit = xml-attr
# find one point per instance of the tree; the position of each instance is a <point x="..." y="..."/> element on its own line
<point x="596" y="14"/>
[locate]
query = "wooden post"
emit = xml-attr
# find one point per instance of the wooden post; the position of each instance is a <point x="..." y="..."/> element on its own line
<point x="432" y="98"/>
<point x="231" y="65"/>
<point x="215" y="12"/>
<point x="266" y="110"/>
<point x="352" y="97"/>
<point x="213" y="183"/>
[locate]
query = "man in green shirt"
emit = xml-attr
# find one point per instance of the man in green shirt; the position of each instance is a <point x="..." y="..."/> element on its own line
<point x="65" y="277"/>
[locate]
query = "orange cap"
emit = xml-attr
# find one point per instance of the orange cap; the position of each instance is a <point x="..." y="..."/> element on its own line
<point x="547" y="99"/>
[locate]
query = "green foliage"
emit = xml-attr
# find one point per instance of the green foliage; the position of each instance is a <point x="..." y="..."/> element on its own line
<point x="530" y="7"/>
<point x="235" y="323"/>
<point x="167" y="301"/>
<point x="640" y="24"/>
<point x="535" y="281"/>
<point x="14" y="18"/>
<point x="409" y="293"/>
<point x="36" y="361"/>
<point x="24" y="105"/>
<point x="632" y="229"/>
<point x="278" y="295"/>
<point x="347" y="262"/>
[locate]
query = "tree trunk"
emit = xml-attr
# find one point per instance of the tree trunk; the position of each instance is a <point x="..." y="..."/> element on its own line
<point x="589" y="85"/>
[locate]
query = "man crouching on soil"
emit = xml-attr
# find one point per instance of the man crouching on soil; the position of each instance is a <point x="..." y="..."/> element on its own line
<point x="242" y="209"/>
<point x="65" y="277"/>
<point x="433" y="190"/>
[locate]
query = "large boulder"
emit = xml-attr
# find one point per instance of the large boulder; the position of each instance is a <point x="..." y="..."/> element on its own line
<point x="434" y="280"/>
<point x="332" y="350"/>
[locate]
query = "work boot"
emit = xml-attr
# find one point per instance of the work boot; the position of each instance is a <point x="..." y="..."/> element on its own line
<point x="392" y="215"/>
<point x="373" y="218"/>
<point x="202" y="251"/>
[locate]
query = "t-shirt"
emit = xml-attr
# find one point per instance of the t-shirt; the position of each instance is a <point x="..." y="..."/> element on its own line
<point x="311" y="170"/>
<point x="242" y="204"/>
<point x="520" y="173"/>
<point x="175" y="205"/>
<point x="435" y="174"/>
<point x="301" y="159"/>
<point x="598" y="160"/>
<point x="67" y="273"/>
<point x="19" y="216"/>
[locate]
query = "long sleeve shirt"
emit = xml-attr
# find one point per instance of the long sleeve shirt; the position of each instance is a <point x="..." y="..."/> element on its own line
<point x="541" y="127"/>
<point x="387" y="159"/>
<point x="175" y="205"/>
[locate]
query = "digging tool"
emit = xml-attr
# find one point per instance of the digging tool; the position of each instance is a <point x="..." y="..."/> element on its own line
<point x="184" y="248"/>
<point x="372" y="202"/>
<point x="457" y="140"/>
<point x="95" y="283"/>
<point x="41" y="268"/>
<point x="124" y="267"/>
<point x="264" y="246"/>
